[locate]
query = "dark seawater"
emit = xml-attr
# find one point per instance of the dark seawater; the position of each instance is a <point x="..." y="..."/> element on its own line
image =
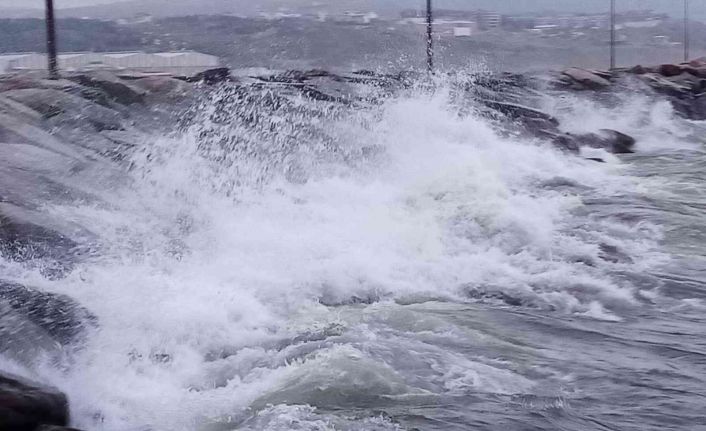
<point x="403" y="265"/>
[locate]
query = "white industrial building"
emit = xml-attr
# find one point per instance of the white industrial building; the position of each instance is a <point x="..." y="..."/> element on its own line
<point x="490" y="20"/>
<point x="181" y="63"/>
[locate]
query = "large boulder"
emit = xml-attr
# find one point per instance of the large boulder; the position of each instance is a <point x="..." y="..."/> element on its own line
<point x="164" y="88"/>
<point x="695" y="82"/>
<point x="116" y="89"/>
<point x="639" y="70"/>
<point x="20" y="129"/>
<point x="57" y="316"/>
<point x="692" y="108"/>
<point x="66" y="108"/>
<point x="532" y="119"/>
<point x="21" y="82"/>
<point x="58" y="121"/>
<point x="18" y="112"/>
<point x="583" y="79"/>
<point x="212" y="76"/>
<point x="31" y="236"/>
<point x="26" y="405"/>
<point x="563" y="141"/>
<point x="610" y="140"/>
<point x="698" y="62"/>
<point x="668" y="87"/>
<point x="669" y="70"/>
<point x="686" y="92"/>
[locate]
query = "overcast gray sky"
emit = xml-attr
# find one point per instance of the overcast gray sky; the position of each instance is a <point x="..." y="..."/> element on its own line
<point x="505" y="6"/>
<point x="59" y="3"/>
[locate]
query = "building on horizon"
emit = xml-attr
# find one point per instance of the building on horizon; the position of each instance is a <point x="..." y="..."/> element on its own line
<point x="458" y="23"/>
<point x="354" y="17"/>
<point x="489" y="20"/>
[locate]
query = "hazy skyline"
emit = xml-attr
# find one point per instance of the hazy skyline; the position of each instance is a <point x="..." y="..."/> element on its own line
<point x="59" y="3"/>
<point x="504" y="6"/>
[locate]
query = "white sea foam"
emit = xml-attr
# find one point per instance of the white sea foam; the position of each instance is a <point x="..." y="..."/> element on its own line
<point x="651" y="121"/>
<point x="205" y="271"/>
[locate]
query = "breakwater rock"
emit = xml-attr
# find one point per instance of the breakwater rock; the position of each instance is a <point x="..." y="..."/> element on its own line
<point x="29" y="406"/>
<point x="57" y="137"/>
<point x="684" y="85"/>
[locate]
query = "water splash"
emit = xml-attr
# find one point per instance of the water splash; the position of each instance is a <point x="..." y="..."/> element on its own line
<point x="242" y="237"/>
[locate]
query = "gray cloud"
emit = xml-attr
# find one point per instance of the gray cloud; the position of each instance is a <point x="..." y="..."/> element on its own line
<point x="33" y="4"/>
<point x="504" y="6"/>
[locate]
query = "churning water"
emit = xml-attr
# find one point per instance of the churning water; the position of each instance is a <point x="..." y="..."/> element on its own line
<point x="401" y="265"/>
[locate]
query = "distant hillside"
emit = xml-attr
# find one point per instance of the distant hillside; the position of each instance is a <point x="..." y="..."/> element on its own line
<point x="166" y="8"/>
<point x="27" y="35"/>
<point x="14" y="13"/>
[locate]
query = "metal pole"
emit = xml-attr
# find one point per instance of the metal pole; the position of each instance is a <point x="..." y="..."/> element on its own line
<point x="51" y="41"/>
<point x="430" y="37"/>
<point x="686" y="31"/>
<point x="612" y="34"/>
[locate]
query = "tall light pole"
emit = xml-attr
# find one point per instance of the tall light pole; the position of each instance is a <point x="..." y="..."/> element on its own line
<point x="51" y="41"/>
<point x="430" y="37"/>
<point x="612" y="34"/>
<point x="686" y="31"/>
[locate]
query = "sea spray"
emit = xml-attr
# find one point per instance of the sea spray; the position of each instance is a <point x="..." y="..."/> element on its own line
<point x="287" y="261"/>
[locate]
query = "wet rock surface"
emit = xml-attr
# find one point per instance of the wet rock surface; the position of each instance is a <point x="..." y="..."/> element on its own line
<point x="610" y="140"/>
<point x="512" y="100"/>
<point x="58" y="316"/>
<point x="27" y="406"/>
<point x="684" y="85"/>
<point x="584" y="79"/>
<point x="54" y="136"/>
<point x="114" y="88"/>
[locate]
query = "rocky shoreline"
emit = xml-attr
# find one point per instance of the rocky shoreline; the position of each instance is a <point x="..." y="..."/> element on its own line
<point x="684" y="85"/>
<point x="56" y="134"/>
<point x="53" y="136"/>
